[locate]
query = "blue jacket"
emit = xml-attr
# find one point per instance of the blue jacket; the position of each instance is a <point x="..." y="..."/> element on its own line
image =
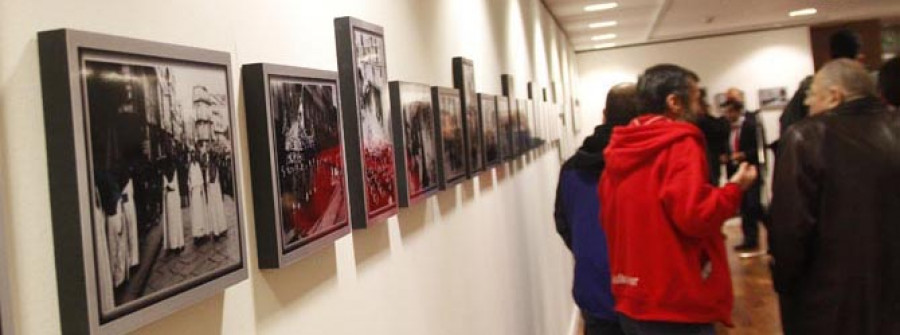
<point x="577" y="215"/>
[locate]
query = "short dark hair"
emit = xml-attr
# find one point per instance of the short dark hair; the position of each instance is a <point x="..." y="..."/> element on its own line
<point x="657" y="82"/>
<point x="621" y="104"/>
<point x="889" y="81"/>
<point x="844" y="43"/>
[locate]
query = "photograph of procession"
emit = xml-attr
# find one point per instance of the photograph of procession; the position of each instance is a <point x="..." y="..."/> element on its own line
<point x="504" y="128"/>
<point x="309" y="161"/>
<point x="488" y="106"/>
<point x="418" y="156"/>
<point x="162" y="171"/>
<point x="452" y="143"/>
<point x="374" y="122"/>
<point x="464" y="72"/>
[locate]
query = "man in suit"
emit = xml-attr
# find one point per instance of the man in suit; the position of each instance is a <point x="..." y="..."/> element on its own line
<point x="743" y="146"/>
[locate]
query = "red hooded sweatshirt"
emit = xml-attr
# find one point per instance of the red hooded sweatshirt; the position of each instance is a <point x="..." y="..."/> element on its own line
<point x="663" y="222"/>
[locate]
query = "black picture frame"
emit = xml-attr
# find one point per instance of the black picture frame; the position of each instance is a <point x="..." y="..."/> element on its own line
<point x="368" y="137"/>
<point x="464" y="80"/>
<point x="506" y="124"/>
<point x="452" y="155"/>
<point x="296" y="158"/>
<point x="77" y="66"/>
<point x="487" y="107"/>
<point x="508" y="86"/>
<point x="6" y="322"/>
<point x="416" y="141"/>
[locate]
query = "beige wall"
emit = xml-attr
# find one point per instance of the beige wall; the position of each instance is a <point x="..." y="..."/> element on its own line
<point x="482" y="258"/>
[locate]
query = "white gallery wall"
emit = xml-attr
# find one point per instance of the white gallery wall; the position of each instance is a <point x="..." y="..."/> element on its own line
<point x="481" y="258"/>
<point x="750" y="61"/>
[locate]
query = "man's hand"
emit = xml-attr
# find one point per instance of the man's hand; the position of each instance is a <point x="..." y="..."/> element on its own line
<point x="738" y="157"/>
<point x="745" y="176"/>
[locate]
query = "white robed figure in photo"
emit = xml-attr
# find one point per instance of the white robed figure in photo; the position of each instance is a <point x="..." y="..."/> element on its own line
<point x="172" y="223"/>
<point x="196" y="184"/>
<point x="104" y="257"/>
<point x="131" y="223"/>
<point x="215" y="205"/>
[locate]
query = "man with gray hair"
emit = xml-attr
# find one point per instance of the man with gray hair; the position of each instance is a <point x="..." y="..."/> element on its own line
<point x="836" y="210"/>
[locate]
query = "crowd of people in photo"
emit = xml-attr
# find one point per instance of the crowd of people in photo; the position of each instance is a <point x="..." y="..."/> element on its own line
<point x="420" y="143"/>
<point x="147" y="170"/>
<point x="642" y="204"/>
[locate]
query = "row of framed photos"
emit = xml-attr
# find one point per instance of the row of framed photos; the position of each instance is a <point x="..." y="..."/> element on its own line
<point x="144" y="179"/>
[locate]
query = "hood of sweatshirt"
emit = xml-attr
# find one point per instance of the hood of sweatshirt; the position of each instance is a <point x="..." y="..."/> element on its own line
<point x="637" y="145"/>
<point x="589" y="156"/>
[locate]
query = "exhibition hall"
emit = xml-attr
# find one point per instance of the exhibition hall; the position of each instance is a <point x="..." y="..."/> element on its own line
<point x="449" y="167"/>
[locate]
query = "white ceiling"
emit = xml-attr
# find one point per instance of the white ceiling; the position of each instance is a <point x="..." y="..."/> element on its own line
<point x="642" y="21"/>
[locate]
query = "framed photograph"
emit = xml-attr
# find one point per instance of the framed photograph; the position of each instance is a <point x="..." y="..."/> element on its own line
<point x="296" y="159"/>
<point x="6" y="325"/>
<point x="451" y="151"/>
<point x="415" y="140"/>
<point x="523" y="137"/>
<point x="718" y="100"/>
<point x="141" y="154"/>
<point x="368" y="131"/>
<point x="576" y="116"/>
<point x="464" y="80"/>
<point x="773" y="98"/>
<point x="487" y="104"/>
<point x="508" y="86"/>
<point x="505" y="124"/>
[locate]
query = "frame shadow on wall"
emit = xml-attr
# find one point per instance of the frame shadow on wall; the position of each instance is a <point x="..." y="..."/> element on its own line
<point x="275" y="289"/>
<point x="371" y="243"/>
<point x="413" y="219"/>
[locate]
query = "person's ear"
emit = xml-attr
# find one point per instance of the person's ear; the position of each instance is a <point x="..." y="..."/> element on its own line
<point x="673" y="104"/>
<point x="835" y="96"/>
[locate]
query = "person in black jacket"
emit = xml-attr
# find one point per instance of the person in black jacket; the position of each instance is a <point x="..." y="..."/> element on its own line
<point x="836" y="211"/>
<point x="889" y="82"/>
<point x="715" y="130"/>
<point x="743" y="146"/>
<point x="577" y="216"/>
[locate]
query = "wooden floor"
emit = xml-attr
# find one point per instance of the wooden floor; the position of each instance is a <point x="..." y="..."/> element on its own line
<point x="755" y="302"/>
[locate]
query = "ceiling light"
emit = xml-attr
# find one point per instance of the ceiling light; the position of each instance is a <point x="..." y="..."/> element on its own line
<point x="603" y="24"/>
<point x="603" y="37"/>
<point x="601" y="6"/>
<point x="803" y="12"/>
<point x="604" y="45"/>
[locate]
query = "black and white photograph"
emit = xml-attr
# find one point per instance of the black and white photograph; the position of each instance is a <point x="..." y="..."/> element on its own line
<point x="299" y="183"/>
<point x="522" y="138"/>
<point x="773" y="98"/>
<point x="415" y="137"/>
<point x="163" y="178"/>
<point x="464" y="80"/>
<point x="488" y="106"/>
<point x="451" y="150"/>
<point x="159" y="164"/>
<point x="576" y="115"/>
<point x="504" y="129"/>
<point x="367" y="120"/>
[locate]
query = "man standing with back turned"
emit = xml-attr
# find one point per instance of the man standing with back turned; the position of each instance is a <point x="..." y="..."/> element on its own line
<point x="836" y="210"/>
<point x="662" y="218"/>
<point x="578" y="211"/>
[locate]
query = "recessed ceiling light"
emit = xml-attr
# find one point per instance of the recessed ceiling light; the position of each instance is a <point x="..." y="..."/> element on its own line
<point x="604" y="45"/>
<point x="603" y="24"/>
<point x="803" y="12"/>
<point x="601" y="6"/>
<point x="603" y="37"/>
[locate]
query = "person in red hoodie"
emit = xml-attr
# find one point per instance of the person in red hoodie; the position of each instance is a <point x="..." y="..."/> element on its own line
<point x="662" y="218"/>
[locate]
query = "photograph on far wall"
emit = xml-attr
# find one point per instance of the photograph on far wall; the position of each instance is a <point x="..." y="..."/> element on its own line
<point x="464" y="80"/>
<point x="368" y="132"/>
<point x="451" y="150"/>
<point x="296" y="156"/>
<point x="718" y="100"/>
<point x="508" y="86"/>
<point x="504" y="128"/>
<point x="523" y="137"/>
<point x="488" y="106"/>
<point x="773" y="98"/>
<point x="416" y="139"/>
<point x="160" y="192"/>
<point x="576" y="116"/>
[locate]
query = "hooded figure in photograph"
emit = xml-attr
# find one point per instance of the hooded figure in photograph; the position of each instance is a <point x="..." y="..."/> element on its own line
<point x="172" y="223"/>
<point x="215" y="204"/>
<point x="197" y="184"/>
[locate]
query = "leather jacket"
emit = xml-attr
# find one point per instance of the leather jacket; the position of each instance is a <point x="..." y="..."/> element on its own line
<point x="835" y="231"/>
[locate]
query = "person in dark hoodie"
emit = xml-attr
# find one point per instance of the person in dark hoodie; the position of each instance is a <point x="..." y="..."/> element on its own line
<point x="578" y="209"/>
<point x="663" y="219"/>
